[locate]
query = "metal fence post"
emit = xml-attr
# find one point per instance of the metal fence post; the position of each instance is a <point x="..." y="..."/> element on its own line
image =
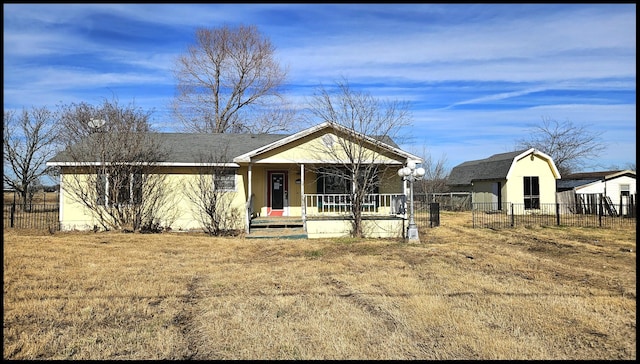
<point x="512" y="216"/>
<point x="13" y="213"/>
<point x="434" y="214"/>
<point x="558" y="214"/>
<point x="600" y="210"/>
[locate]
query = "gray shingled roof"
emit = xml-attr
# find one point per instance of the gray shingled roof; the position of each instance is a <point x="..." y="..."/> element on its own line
<point x="563" y="184"/>
<point x="584" y="178"/>
<point x="593" y="176"/>
<point x="495" y="167"/>
<point x="190" y="147"/>
<point x="187" y="147"/>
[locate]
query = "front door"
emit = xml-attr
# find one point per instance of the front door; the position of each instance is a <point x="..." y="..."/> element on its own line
<point x="277" y="193"/>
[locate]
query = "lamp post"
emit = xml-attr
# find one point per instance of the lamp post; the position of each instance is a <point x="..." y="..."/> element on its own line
<point x="411" y="174"/>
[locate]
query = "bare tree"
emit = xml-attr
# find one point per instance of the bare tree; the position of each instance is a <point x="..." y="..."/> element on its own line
<point x="79" y="120"/>
<point x="29" y="140"/>
<point x="212" y="194"/>
<point x="570" y="145"/>
<point x="112" y="170"/>
<point x="363" y="123"/>
<point x="229" y="82"/>
<point x="436" y="174"/>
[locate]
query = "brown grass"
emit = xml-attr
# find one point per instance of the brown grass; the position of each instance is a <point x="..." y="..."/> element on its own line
<point x="38" y="197"/>
<point x="462" y="293"/>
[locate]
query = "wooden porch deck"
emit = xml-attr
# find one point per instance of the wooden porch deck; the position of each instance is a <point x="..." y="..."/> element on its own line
<point x="277" y="227"/>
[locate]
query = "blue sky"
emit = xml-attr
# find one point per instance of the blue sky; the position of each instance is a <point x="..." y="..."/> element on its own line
<point x="477" y="76"/>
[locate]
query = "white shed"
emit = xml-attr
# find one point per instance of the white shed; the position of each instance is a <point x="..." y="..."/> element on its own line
<point x="619" y="187"/>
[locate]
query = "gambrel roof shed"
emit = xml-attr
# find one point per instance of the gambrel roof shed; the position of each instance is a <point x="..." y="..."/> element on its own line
<point x="496" y="167"/>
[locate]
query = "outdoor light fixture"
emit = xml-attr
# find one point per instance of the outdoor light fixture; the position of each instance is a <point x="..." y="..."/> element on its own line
<point x="411" y="174"/>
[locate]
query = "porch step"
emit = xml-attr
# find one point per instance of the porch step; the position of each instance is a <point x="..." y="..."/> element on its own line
<point x="276" y="222"/>
<point x="277" y="233"/>
<point x="277" y="228"/>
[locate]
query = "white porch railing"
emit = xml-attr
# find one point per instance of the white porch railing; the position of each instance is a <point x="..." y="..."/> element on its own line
<point x="340" y="204"/>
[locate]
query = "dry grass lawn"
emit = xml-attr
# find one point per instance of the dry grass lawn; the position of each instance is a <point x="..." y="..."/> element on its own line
<point x="462" y="293"/>
<point x="38" y="198"/>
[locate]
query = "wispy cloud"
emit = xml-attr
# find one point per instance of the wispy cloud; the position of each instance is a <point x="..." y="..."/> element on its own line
<point x="477" y="75"/>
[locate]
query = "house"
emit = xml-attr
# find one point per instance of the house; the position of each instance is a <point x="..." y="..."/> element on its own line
<point x="525" y="177"/>
<point x="263" y="175"/>
<point x="617" y="188"/>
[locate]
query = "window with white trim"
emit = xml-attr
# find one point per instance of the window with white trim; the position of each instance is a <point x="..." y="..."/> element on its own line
<point x="224" y="180"/>
<point x="119" y="189"/>
<point x="624" y="190"/>
<point x="531" y="193"/>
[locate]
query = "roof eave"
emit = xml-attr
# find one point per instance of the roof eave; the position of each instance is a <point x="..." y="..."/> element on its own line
<point x="155" y="164"/>
<point x="534" y="151"/>
<point x="247" y="157"/>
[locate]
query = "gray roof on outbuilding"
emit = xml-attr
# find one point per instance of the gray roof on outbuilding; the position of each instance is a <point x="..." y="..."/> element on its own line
<point x="574" y="180"/>
<point x="592" y="176"/>
<point x="495" y="167"/>
<point x="563" y="184"/>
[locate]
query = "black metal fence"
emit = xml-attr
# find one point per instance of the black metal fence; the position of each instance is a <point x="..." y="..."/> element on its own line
<point x="448" y="201"/>
<point x="509" y="215"/>
<point x="427" y="215"/>
<point x="31" y="216"/>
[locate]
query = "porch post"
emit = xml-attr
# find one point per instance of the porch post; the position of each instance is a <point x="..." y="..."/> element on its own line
<point x="249" y="181"/>
<point x="249" y="208"/>
<point x="303" y="200"/>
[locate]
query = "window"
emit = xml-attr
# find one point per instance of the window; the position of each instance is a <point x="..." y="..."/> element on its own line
<point x="333" y="181"/>
<point x="339" y="181"/>
<point x="123" y="189"/>
<point x="371" y="179"/>
<point x="225" y="180"/>
<point x="531" y="193"/>
<point x="624" y="190"/>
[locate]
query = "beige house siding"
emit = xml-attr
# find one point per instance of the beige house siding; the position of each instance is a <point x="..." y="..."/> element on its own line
<point x="314" y="148"/>
<point x="73" y="216"/>
<point x="298" y="156"/>
<point x="530" y="165"/>
<point x="484" y="192"/>
<point x="499" y="179"/>
<point x="378" y="228"/>
<point x="180" y="214"/>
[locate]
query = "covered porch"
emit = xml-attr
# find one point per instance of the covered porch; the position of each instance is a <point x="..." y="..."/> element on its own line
<point x="291" y="191"/>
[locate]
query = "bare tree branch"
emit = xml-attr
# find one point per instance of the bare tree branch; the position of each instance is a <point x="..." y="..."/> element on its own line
<point x="436" y="174"/>
<point x="230" y="82"/>
<point x="77" y="121"/>
<point x="29" y="140"/>
<point x="212" y="193"/>
<point x="570" y="145"/>
<point x="362" y="124"/>
<point x="114" y="171"/>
